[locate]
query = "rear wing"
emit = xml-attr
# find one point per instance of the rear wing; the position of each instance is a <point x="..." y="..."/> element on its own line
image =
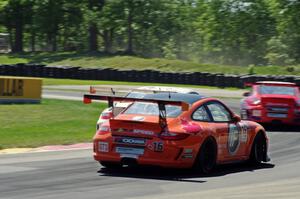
<point x="88" y="98"/>
<point x="270" y="83"/>
<point x="146" y="89"/>
<point x="109" y="90"/>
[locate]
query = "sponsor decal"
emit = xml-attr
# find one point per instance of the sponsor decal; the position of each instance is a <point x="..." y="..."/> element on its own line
<point x="134" y="131"/>
<point x="150" y="146"/>
<point x="237" y="134"/>
<point x="276" y="104"/>
<point x="130" y="141"/>
<point x="129" y="151"/>
<point x="278" y="109"/>
<point x="233" y="139"/>
<point x="190" y="127"/>
<point x="138" y="118"/>
<point x="277" y="115"/>
<point x="188" y="150"/>
<point x="187" y="154"/>
<point x="143" y="132"/>
<point x="244" y="132"/>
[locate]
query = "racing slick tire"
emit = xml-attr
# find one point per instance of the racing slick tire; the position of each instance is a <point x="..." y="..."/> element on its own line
<point x="110" y="165"/>
<point x="258" y="150"/>
<point x="206" y="159"/>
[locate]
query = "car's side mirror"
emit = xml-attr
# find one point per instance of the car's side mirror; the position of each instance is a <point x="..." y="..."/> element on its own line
<point x="246" y="94"/>
<point x="236" y="118"/>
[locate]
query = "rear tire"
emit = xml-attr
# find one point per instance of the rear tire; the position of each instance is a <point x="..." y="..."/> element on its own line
<point x="258" y="150"/>
<point x="110" y="165"/>
<point x="207" y="156"/>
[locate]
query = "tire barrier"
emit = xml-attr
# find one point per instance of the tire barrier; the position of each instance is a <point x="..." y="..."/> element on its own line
<point x="150" y="76"/>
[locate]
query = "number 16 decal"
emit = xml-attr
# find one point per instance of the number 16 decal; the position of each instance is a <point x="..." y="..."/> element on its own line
<point x="158" y="146"/>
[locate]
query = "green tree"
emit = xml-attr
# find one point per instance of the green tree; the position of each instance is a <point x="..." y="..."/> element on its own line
<point x="49" y="15"/>
<point x="16" y="14"/>
<point x="287" y="15"/>
<point x="278" y="52"/>
<point x="57" y="23"/>
<point x="94" y="10"/>
<point x="235" y="31"/>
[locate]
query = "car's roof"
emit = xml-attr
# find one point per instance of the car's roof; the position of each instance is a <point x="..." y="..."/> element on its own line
<point x="188" y="98"/>
<point x="164" y="89"/>
<point x="276" y="83"/>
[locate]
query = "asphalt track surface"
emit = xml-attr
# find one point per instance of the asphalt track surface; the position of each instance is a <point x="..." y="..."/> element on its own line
<point x="74" y="174"/>
<point x="68" y="92"/>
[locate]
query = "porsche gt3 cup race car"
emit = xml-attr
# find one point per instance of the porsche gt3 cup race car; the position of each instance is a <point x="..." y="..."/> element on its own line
<point x="177" y="130"/>
<point x="139" y="92"/>
<point x="272" y="102"/>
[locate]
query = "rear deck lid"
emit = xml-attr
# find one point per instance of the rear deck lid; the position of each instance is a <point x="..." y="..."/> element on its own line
<point x="135" y="126"/>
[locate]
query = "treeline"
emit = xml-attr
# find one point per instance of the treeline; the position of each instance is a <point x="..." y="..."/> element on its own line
<point x="239" y="32"/>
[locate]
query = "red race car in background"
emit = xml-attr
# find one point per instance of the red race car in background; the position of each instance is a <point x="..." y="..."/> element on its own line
<point x="272" y="102"/>
<point x="177" y="130"/>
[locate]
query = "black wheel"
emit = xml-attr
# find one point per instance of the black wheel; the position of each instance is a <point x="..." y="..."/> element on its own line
<point x="258" y="150"/>
<point x="110" y="165"/>
<point x="207" y="156"/>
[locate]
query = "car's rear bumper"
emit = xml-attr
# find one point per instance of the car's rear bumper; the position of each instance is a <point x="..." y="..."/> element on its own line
<point x="144" y="161"/>
<point x="265" y="120"/>
<point x="290" y="119"/>
<point x="173" y="154"/>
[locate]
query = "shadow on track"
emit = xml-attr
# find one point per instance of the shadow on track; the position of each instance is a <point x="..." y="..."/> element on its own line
<point x="180" y="175"/>
<point x="223" y="170"/>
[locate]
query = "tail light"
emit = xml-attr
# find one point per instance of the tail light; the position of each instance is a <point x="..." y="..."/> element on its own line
<point x="255" y="101"/>
<point x="103" y="130"/>
<point x="106" y="115"/>
<point x="166" y="135"/>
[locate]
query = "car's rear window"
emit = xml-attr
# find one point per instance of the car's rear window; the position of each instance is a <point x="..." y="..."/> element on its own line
<point x="279" y="90"/>
<point x="146" y="108"/>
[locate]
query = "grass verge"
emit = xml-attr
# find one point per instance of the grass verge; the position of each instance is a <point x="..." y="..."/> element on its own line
<point x="7" y="59"/>
<point x="51" y="122"/>
<point x="98" y="60"/>
<point x="55" y="82"/>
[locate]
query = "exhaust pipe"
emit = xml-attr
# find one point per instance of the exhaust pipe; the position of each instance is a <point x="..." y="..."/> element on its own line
<point x="129" y="162"/>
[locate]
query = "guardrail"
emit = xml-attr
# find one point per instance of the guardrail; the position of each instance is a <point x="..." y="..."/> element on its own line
<point x="194" y="78"/>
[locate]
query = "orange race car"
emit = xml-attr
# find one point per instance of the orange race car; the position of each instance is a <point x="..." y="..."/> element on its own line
<point x="177" y="130"/>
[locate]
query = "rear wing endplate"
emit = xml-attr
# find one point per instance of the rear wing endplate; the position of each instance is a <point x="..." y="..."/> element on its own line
<point x="249" y="84"/>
